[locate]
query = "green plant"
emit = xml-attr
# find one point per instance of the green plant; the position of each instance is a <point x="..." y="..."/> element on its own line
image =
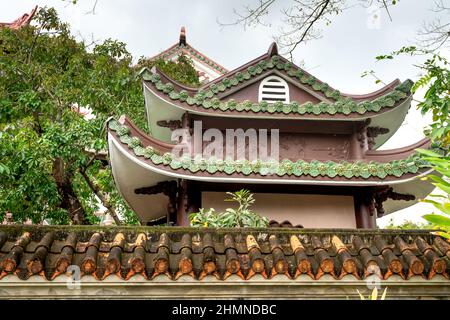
<point x="373" y="295"/>
<point x="407" y="224"/>
<point x="435" y="78"/>
<point x="181" y="70"/>
<point x="243" y="216"/>
<point x="440" y="164"/>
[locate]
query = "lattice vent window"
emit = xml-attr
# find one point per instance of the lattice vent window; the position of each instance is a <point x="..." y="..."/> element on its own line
<point x="273" y="89"/>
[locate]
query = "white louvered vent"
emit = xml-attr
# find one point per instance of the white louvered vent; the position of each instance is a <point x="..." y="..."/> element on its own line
<point x="273" y="89"/>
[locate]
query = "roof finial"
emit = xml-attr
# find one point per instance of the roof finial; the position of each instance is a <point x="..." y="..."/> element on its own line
<point x="182" y="37"/>
<point x="273" y="50"/>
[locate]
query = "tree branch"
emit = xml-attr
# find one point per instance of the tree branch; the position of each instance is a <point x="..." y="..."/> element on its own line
<point x="310" y="25"/>
<point x="102" y="197"/>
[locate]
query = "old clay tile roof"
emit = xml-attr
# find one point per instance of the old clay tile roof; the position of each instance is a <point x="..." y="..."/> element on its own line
<point x="24" y="20"/>
<point x="283" y="224"/>
<point x="197" y="253"/>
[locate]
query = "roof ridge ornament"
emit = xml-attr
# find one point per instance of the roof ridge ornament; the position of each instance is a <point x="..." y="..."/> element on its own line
<point x="273" y="50"/>
<point x="182" y="41"/>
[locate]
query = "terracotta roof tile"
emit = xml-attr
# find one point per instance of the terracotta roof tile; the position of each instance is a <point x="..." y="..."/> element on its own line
<point x="198" y="253"/>
<point x="284" y="224"/>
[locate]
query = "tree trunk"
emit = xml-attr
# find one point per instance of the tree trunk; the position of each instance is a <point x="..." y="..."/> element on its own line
<point x="69" y="199"/>
<point x="102" y="198"/>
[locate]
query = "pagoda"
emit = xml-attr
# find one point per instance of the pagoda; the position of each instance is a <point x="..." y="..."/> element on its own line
<point x="207" y="68"/>
<point x="20" y="22"/>
<point x="324" y="170"/>
<point x="328" y="172"/>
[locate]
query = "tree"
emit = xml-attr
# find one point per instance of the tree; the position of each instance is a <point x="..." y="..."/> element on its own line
<point x="182" y="69"/>
<point x="435" y="79"/>
<point x="302" y="20"/>
<point x="441" y="165"/>
<point x="52" y="161"/>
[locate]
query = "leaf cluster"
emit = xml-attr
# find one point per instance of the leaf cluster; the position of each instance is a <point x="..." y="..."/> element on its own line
<point x="240" y="217"/>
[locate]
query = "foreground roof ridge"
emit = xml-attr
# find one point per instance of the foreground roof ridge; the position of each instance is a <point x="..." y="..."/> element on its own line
<point x="221" y="253"/>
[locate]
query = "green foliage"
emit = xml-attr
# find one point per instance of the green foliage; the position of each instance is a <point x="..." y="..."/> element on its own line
<point x="441" y="164"/>
<point x="436" y="78"/>
<point x="46" y="76"/>
<point x="406" y="225"/>
<point x="243" y="216"/>
<point x="181" y="70"/>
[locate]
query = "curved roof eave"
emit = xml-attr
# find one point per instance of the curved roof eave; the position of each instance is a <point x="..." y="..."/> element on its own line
<point x="266" y="115"/>
<point x="391" y="118"/>
<point x="130" y="172"/>
<point x="374" y="94"/>
<point x="142" y="141"/>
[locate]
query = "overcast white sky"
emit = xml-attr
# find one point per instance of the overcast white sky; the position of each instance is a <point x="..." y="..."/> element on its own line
<point x="347" y="49"/>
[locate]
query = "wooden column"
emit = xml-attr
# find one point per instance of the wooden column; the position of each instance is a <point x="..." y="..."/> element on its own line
<point x="359" y="142"/>
<point x="182" y="216"/>
<point x="189" y="201"/>
<point x="365" y="216"/>
<point x="195" y="196"/>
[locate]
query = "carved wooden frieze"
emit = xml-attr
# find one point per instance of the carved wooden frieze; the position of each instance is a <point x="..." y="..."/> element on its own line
<point x="171" y="124"/>
<point x="372" y="133"/>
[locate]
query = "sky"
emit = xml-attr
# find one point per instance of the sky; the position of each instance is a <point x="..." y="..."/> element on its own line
<point x="347" y="48"/>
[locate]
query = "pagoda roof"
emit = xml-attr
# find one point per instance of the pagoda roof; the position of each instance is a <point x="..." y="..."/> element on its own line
<point x="126" y="253"/>
<point x="197" y="101"/>
<point x="214" y="96"/>
<point x="139" y="160"/>
<point x="228" y="97"/>
<point x="24" y="20"/>
<point x="185" y="48"/>
<point x="376" y="165"/>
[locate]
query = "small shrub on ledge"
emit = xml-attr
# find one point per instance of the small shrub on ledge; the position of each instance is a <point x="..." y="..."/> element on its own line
<point x="243" y="216"/>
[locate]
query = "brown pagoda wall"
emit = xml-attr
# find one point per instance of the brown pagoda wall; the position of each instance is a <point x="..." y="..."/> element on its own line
<point x="306" y="140"/>
<point x="311" y="211"/>
<point x="305" y="146"/>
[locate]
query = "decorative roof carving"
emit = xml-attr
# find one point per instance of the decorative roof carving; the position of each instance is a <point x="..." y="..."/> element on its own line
<point x="182" y="41"/>
<point x="273" y="50"/>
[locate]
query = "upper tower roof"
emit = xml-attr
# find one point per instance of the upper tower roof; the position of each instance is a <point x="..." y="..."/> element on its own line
<point x="24" y="20"/>
<point x="271" y="87"/>
<point x="207" y="69"/>
<point x="308" y="95"/>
